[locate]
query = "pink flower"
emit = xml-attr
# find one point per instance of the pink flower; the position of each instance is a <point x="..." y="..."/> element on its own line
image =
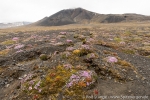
<point x="34" y="36"/>
<point x="63" y="33"/>
<point x="122" y="43"/>
<point x="70" y="48"/>
<point x="9" y="47"/>
<point x="40" y="90"/>
<point x="85" y="46"/>
<point x="69" y="41"/>
<point x="31" y="82"/>
<point x="15" y="39"/>
<point x="90" y="40"/>
<point x="35" y="87"/>
<point x="19" y="46"/>
<point x="68" y="66"/>
<point x="110" y="39"/>
<point x="91" y="56"/>
<point x="80" y="76"/>
<point x="111" y="59"/>
<point x="29" y="45"/>
<point x="85" y="74"/>
<point x="73" y="79"/>
<point x="38" y="84"/>
<point x="30" y="88"/>
<point x="66" y="54"/>
<point x="19" y="51"/>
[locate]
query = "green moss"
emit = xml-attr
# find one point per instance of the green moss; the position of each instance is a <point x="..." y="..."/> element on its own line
<point x="43" y="57"/>
<point x="127" y="33"/>
<point x="117" y="39"/>
<point x="8" y="42"/>
<point x="128" y="51"/>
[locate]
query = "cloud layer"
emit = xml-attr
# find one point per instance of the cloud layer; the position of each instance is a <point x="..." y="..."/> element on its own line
<point x="33" y="10"/>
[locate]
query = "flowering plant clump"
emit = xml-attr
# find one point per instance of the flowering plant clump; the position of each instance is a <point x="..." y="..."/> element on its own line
<point x="65" y="54"/>
<point x="68" y="66"/>
<point x="86" y="47"/>
<point x="91" y="56"/>
<point x="9" y="47"/>
<point x="69" y="41"/>
<point x="81" y="37"/>
<point x="25" y="79"/>
<point x="84" y="50"/>
<point x="82" y="79"/>
<point x="122" y="43"/>
<point x="56" y="79"/>
<point x="111" y="59"/>
<point x="63" y="33"/>
<point x="70" y="48"/>
<point x="19" y="46"/>
<point x="34" y="36"/>
<point x="32" y="86"/>
<point x="15" y="39"/>
<point x="89" y="41"/>
<point x="63" y="79"/>
<point x="52" y="84"/>
<point x="19" y="51"/>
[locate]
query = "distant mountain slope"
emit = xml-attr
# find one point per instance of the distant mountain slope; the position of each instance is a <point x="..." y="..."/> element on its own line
<point x="79" y="15"/>
<point x="15" y="24"/>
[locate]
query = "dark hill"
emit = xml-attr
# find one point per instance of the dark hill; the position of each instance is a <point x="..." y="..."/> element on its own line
<point x="79" y="15"/>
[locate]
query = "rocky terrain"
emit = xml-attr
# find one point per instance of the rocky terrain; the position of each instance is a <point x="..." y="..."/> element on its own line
<point x="82" y="16"/>
<point x="104" y="62"/>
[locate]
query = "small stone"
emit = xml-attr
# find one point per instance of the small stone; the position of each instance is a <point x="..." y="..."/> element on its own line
<point x="7" y="85"/>
<point x="20" y="78"/>
<point x="109" y="77"/>
<point x="129" y="91"/>
<point x="25" y="75"/>
<point x="143" y="78"/>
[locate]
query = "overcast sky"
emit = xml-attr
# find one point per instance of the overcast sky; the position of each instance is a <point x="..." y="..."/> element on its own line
<point x="34" y="10"/>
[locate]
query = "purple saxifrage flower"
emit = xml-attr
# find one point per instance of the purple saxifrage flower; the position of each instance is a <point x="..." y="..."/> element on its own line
<point x="34" y="36"/>
<point x="69" y="41"/>
<point x="68" y="66"/>
<point x="19" y="51"/>
<point x="122" y="43"/>
<point x="89" y="41"/>
<point x="15" y="39"/>
<point x="37" y="85"/>
<point x="85" y="74"/>
<point x="40" y="90"/>
<point x="63" y="33"/>
<point x="31" y="82"/>
<point x="80" y="76"/>
<point x="70" y="48"/>
<point x="30" y="88"/>
<point x="111" y="59"/>
<point x="9" y="47"/>
<point x="19" y="46"/>
<point x="91" y="56"/>
<point x="86" y="47"/>
<point x="73" y="79"/>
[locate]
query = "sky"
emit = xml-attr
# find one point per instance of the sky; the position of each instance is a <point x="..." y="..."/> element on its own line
<point x="34" y="10"/>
